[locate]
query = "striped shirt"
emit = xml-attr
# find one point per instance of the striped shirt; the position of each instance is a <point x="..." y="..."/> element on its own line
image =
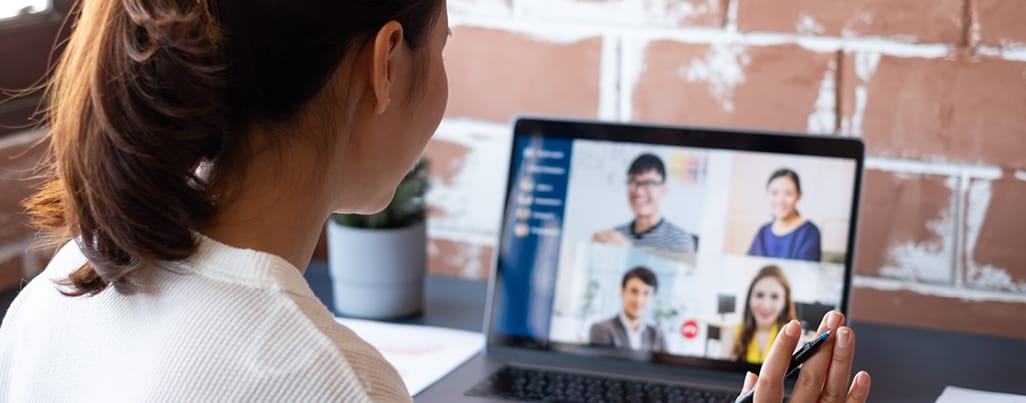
<point x="663" y="235"/>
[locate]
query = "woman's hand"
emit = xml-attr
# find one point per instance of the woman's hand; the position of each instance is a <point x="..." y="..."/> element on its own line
<point x="823" y="378"/>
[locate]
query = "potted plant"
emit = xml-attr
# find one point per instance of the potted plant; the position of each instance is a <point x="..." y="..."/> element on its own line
<point x="377" y="262"/>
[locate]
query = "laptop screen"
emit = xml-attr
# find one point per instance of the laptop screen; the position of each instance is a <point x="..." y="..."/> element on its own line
<point x="675" y="245"/>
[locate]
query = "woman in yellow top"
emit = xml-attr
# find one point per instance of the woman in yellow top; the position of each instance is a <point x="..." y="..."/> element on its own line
<point x="769" y="308"/>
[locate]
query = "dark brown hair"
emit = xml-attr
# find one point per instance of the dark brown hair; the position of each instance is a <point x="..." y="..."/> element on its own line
<point x="641" y="273"/>
<point x="645" y="163"/>
<point x="748" y="324"/>
<point x="148" y="91"/>
<point x="788" y="173"/>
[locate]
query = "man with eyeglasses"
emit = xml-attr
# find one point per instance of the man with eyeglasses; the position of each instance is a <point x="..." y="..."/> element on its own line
<point x="646" y="186"/>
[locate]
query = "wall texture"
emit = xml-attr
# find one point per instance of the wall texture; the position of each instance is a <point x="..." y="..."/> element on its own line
<point x="18" y="260"/>
<point x="936" y="89"/>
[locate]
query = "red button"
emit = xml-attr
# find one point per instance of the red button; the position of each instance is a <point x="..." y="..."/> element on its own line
<point x="689" y="329"/>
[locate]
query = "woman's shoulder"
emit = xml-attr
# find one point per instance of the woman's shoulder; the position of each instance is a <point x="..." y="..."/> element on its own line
<point x="293" y="340"/>
<point x="378" y="378"/>
<point x="67" y="259"/>
<point x="808" y="227"/>
<point x="765" y="230"/>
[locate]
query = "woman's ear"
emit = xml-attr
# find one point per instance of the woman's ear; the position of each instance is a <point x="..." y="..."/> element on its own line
<point x="387" y="47"/>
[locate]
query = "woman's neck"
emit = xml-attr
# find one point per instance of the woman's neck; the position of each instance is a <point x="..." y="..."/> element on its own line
<point x="764" y="328"/>
<point x="786" y="224"/>
<point x="275" y="205"/>
<point x="791" y="218"/>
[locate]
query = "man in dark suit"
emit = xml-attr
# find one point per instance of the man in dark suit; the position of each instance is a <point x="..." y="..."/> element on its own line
<point x="628" y="330"/>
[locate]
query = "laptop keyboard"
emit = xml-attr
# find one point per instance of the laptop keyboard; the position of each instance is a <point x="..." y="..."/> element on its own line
<point x="525" y="384"/>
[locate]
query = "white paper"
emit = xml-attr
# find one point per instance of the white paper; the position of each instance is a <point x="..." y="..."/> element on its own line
<point x="421" y="354"/>
<point x="955" y="394"/>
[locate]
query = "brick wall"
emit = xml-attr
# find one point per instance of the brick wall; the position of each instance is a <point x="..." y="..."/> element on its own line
<point x="936" y="88"/>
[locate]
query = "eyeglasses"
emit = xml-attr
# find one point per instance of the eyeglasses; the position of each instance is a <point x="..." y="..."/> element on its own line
<point x="647" y="184"/>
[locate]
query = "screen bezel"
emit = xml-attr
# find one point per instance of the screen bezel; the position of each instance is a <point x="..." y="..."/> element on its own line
<point x="677" y="136"/>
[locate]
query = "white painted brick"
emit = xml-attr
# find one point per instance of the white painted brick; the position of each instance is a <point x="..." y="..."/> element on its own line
<point x="649" y="13"/>
<point x="474" y="199"/>
<point x="884" y="284"/>
<point x="479" y="7"/>
<point x="609" y="76"/>
<point x="933" y="168"/>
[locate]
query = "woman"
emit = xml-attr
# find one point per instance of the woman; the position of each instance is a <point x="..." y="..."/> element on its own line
<point x="789" y="235"/>
<point x="768" y="309"/>
<point x="196" y="149"/>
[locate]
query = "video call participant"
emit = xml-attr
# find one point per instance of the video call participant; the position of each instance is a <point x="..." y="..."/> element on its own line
<point x="769" y="308"/>
<point x="646" y="187"/>
<point x="628" y="330"/>
<point x="789" y="235"/>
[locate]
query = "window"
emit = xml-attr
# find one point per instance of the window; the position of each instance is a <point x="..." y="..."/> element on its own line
<point x="28" y="32"/>
<point x="12" y="9"/>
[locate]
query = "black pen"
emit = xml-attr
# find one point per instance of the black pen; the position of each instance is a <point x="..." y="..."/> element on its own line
<point x="796" y="360"/>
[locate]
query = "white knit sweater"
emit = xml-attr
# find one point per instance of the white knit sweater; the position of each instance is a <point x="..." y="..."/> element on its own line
<point x="225" y="325"/>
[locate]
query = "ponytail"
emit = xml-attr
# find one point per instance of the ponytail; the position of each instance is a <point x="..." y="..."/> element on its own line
<point x="134" y="109"/>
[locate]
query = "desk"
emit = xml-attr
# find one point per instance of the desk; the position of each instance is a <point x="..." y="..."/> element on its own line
<point x="907" y="364"/>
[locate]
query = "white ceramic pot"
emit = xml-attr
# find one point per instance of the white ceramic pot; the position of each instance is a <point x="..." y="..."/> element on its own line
<point x="377" y="273"/>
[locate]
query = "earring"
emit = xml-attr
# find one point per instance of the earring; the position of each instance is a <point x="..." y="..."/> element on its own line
<point x="388" y="103"/>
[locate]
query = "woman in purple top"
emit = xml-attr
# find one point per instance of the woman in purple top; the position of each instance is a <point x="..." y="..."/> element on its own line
<point x="789" y="235"/>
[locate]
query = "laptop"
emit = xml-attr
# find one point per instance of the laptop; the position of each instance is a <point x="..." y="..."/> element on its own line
<point x="654" y="263"/>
